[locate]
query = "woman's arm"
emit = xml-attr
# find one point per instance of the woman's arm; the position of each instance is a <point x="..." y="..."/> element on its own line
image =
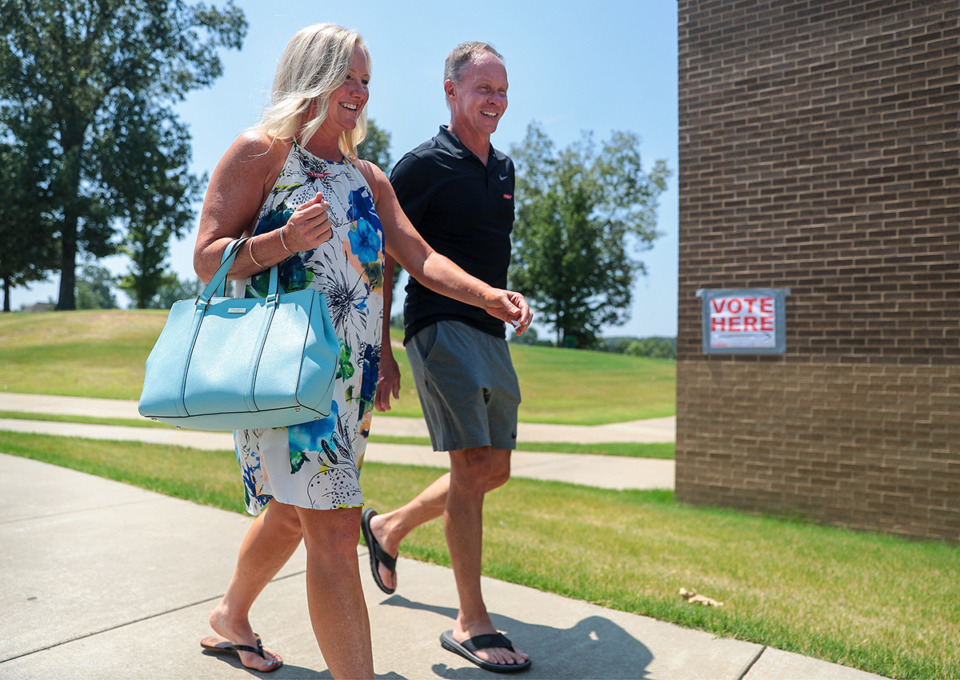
<point x="432" y="269"/>
<point x="240" y="184"/>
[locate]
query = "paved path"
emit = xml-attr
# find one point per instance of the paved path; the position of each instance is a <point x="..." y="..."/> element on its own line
<point x="102" y="580"/>
<point x="611" y="472"/>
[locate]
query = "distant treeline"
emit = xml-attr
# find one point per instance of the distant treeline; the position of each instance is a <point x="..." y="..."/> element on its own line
<point x="653" y="347"/>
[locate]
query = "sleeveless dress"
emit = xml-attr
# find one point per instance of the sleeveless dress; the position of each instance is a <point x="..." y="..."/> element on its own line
<point x="317" y="464"/>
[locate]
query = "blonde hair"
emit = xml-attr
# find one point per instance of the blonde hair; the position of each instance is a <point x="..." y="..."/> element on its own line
<point x="314" y="63"/>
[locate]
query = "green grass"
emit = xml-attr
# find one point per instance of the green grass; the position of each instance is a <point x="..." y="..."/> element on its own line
<point x="878" y="603"/>
<point x="82" y="354"/>
<point x="86" y="420"/>
<point x="102" y="353"/>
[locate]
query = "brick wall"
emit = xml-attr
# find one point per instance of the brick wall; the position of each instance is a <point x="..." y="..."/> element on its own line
<point x="820" y="152"/>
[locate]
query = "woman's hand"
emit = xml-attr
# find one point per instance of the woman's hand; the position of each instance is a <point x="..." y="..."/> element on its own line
<point x="308" y="226"/>
<point x="388" y="382"/>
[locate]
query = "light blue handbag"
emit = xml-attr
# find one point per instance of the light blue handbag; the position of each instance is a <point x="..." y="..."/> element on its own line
<point x="224" y="363"/>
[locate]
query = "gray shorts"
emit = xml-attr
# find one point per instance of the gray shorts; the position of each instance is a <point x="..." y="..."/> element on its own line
<point x="467" y="387"/>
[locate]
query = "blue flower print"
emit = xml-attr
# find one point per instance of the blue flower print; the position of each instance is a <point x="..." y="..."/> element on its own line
<point x="365" y="241"/>
<point x="371" y="370"/>
<point x="366" y="238"/>
<point x="308" y="436"/>
<point x="273" y="219"/>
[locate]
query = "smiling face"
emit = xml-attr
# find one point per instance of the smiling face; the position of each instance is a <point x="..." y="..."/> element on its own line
<point x="348" y="100"/>
<point x="479" y="99"/>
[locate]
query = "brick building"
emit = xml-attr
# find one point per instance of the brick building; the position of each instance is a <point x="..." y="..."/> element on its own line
<point x="820" y="152"/>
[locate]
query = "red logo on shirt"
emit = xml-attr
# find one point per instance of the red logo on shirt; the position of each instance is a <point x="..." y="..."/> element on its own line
<point x="508" y="196"/>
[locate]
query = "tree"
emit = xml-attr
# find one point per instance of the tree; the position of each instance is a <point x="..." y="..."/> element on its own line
<point x="95" y="288"/>
<point x="655" y="348"/>
<point x="98" y="80"/>
<point x="27" y="249"/>
<point x="173" y="288"/>
<point x="152" y="223"/>
<point x="375" y="147"/>
<point x="580" y="213"/>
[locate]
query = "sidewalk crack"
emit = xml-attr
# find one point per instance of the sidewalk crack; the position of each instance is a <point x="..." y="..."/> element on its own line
<point x="125" y="624"/>
<point x="750" y="665"/>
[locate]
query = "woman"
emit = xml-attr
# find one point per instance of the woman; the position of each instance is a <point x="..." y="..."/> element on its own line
<point x="325" y="217"/>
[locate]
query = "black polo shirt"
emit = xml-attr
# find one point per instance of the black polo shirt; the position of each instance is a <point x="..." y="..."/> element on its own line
<point x="465" y="212"/>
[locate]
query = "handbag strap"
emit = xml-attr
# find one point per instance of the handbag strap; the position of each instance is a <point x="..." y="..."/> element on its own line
<point x="218" y="283"/>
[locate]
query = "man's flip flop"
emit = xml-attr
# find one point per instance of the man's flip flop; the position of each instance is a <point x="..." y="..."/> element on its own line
<point x="378" y="555"/>
<point x="211" y="644"/>
<point x="467" y="648"/>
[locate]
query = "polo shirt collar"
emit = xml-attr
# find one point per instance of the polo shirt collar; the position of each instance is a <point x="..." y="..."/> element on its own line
<point x="449" y="141"/>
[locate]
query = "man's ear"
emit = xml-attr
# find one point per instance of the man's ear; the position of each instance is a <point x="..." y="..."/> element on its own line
<point x="449" y="88"/>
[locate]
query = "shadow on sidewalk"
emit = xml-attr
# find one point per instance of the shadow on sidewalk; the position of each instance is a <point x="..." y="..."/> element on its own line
<point x="594" y="648"/>
<point x="289" y="672"/>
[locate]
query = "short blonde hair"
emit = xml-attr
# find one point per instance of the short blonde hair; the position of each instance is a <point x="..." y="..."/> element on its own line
<point x="314" y="63"/>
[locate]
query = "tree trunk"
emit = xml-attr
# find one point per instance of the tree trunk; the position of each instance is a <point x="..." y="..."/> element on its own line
<point x="6" y="295"/>
<point x="68" y="264"/>
<point x="72" y="147"/>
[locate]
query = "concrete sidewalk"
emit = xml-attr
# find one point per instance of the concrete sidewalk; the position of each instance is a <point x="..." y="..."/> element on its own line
<point x="643" y="431"/>
<point x="105" y="580"/>
<point x="610" y="472"/>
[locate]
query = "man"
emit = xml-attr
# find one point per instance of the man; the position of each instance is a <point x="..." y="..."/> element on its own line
<point x="457" y="190"/>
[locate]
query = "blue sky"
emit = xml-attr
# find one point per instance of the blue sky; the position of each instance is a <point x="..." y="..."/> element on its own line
<point x="573" y="66"/>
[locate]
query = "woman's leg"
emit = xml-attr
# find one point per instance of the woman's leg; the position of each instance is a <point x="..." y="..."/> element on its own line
<point x="338" y="610"/>
<point x="271" y="540"/>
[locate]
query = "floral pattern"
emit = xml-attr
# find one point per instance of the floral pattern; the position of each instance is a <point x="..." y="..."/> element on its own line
<point x="317" y="464"/>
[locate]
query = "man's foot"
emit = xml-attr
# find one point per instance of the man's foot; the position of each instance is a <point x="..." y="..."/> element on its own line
<point x="245" y="644"/>
<point x="383" y="565"/>
<point x="491" y="652"/>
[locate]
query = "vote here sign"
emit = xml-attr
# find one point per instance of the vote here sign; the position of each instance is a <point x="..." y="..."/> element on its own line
<point x="745" y="321"/>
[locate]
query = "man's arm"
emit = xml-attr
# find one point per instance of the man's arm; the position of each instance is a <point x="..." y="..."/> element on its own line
<point x="432" y="269"/>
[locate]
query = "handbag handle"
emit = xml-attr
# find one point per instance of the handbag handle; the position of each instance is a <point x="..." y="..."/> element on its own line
<point x="218" y="283"/>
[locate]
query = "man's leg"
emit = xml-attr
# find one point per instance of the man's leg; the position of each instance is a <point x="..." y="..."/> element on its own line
<point x="470" y="471"/>
<point x="390" y="528"/>
<point x="271" y="540"/>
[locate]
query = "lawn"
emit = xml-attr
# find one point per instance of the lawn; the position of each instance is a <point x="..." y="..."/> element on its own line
<point x="101" y="354"/>
<point x="882" y="604"/>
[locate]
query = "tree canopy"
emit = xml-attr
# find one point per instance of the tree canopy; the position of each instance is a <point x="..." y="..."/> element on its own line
<point x="581" y="213"/>
<point x="375" y="147"/>
<point x="92" y="84"/>
<point x="27" y="252"/>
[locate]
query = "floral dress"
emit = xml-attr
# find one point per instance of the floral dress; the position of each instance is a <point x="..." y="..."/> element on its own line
<point x="317" y="464"/>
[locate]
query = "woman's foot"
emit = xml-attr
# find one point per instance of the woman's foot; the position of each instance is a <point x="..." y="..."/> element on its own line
<point x="239" y="639"/>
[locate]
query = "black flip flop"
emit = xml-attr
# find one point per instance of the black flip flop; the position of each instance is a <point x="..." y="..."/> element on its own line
<point x="378" y="555"/>
<point x="227" y="647"/>
<point x="467" y="648"/>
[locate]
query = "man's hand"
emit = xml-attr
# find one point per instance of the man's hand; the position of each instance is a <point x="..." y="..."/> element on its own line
<point x="511" y="307"/>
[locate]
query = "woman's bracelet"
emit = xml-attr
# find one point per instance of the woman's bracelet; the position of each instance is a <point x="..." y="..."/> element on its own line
<point x="282" y="242"/>
<point x="250" y="250"/>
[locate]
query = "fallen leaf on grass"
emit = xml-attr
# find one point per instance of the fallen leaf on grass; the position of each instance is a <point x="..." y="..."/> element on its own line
<point x="692" y="597"/>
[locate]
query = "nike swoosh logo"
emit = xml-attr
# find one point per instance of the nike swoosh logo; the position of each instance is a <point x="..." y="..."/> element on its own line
<point x="504" y="177"/>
